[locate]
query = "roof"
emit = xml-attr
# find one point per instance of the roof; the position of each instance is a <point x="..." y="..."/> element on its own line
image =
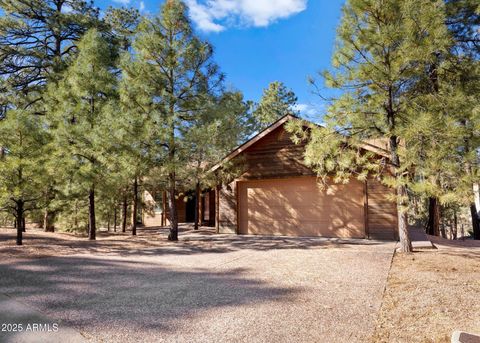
<point x="369" y="146"/>
<point x="237" y="151"/>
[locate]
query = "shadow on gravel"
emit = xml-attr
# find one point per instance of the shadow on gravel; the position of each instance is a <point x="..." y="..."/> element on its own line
<point x="127" y="295"/>
<point x="153" y="242"/>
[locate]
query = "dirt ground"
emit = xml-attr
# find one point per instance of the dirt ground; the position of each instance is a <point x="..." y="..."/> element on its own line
<point x="241" y="288"/>
<point x="205" y="288"/>
<point x="432" y="293"/>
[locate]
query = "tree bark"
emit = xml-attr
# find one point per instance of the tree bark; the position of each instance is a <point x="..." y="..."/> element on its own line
<point x="92" y="229"/>
<point x="475" y="211"/>
<point x="124" y="214"/>
<point x="454" y="225"/>
<point x="164" y="208"/>
<point x="173" y="235"/>
<point x="405" y="243"/>
<point x="197" y="205"/>
<point x="134" y="207"/>
<point x="48" y="220"/>
<point x="475" y="221"/>
<point x="24" y="226"/>
<point x="443" y="232"/>
<point x="402" y="198"/>
<point x="20" y="222"/>
<point x="217" y="208"/>
<point x="115" y="218"/>
<point x="433" y="224"/>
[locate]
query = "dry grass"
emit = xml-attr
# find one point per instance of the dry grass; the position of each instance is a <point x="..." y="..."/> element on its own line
<point x="430" y="294"/>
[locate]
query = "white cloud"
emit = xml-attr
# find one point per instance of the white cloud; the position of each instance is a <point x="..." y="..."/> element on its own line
<point x="122" y="2"/>
<point x="217" y="15"/>
<point x="141" y="6"/>
<point x="305" y="109"/>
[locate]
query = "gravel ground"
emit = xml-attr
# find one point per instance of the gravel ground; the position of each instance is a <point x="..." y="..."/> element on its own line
<point x="432" y="293"/>
<point x="206" y="288"/>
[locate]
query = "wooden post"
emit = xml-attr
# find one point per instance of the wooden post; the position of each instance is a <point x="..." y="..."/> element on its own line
<point x="365" y="206"/>
<point x="217" y="208"/>
<point x="198" y="194"/>
<point x="124" y="213"/>
<point x="164" y="208"/>
<point x="134" y="207"/>
<point x="115" y="217"/>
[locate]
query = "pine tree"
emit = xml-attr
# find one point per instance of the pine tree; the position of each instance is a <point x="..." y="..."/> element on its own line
<point x="225" y="123"/>
<point x="84" y="104"/>
<point x="383" y="48"/>
<point x="170" y="77"/>
<point x="463" y="20"/>
<point x="445" y="138"/>
<point x="22" y="172"/>
<point x="37" y="38"/>
<point x="277" y="101"/>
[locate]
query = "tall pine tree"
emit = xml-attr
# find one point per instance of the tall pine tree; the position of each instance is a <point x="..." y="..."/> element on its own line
<point x="383" y="48"/>
<point x="22" y="165"/>
<point x="277" y="100"/>
<point x="84" y="103"/>
<point x="171" y="76"/>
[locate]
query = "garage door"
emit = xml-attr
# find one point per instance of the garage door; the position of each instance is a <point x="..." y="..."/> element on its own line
<point x="297" y="207"/>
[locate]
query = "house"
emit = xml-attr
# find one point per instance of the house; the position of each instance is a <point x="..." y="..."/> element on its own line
<point x="277" y="194"/>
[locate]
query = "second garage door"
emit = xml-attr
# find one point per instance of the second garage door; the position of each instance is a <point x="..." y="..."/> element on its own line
<point x="297" y="207"/>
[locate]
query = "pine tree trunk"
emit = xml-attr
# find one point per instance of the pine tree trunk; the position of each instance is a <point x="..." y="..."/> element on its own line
<point x="402" y="198"/>
<point x="475" y="212"/>
<point x="433" y="225"/>
<point x="405" y="243"/>
<point x="124" y="214"/>
<point x="92" y="230"/>
<point x="115" y="218"/>
<point x="475" y="221"/>
<point x="20" y="222"/>
<point x="217" y="208"/>
<point x="197" y="205"/>
<point x="48" y="221"/>
<point x="454" y="225"/>
<point x="443" y="232"/>
<point x="173" y="235"/>
<point x="134" y="207"/>
<point x="476" y="197"/>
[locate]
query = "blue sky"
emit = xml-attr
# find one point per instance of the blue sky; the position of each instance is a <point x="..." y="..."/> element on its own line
<point x="260" y="41"/>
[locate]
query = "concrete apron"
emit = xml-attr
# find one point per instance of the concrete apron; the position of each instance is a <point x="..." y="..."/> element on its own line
<point x="20" y="323"/>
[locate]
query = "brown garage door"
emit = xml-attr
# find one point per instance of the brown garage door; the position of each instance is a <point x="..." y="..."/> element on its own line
<point x="297" y="207"/>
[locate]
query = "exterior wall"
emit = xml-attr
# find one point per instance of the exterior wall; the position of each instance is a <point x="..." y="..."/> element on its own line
<point x="151" y="217"/>
<point x="154" y="218"/>
<point x="208" y="208"/>
<point x="228" y="209"/>
<point x="382" y="216"/>
<point x="275" y="156"/>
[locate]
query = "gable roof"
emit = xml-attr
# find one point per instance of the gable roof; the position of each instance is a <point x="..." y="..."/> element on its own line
<point x="237" y="151"/>
<point x="369" y="146"/>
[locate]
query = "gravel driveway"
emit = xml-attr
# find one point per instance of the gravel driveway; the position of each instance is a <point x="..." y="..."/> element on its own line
<point x="211" y="288"/>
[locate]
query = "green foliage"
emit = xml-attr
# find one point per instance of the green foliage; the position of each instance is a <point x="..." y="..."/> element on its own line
<point x="168" y="83"/>
<point x="382" y="50"/>
<point x="84" y="104"/>
<point x="122" y="24"/>
<point x="23" y="138"/>
<point x="37" y="38"/>
<point x="277" y="101"/>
